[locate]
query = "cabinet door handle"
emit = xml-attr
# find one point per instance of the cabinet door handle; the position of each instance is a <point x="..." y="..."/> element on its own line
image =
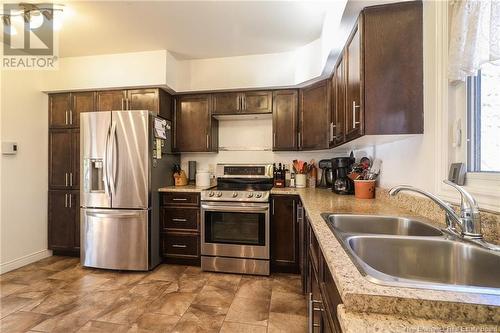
<point x="122" y="105"/>
<point x="274" y="138"/>
<point x="66" y="117"/>
<point x="179" y="220"/>
<point x="294" y="208"/>
<point x="179" y="199"/>
<point x="127" y="103"/>
<point x="181" y="246"/>
<point x="272" y="204"/>
<point x="310" y="324"/>
<point x="207" y="142"/>
<point x="71" y="117"/>
<point x="71" y="179"/>
<point x="332" y="131"/>
<point x="70" y="200"/>
<point x="66" y="200"/>
<point x="354" y="107"/>
<point x="300" y="142"/>
<point x="66" y="179"/>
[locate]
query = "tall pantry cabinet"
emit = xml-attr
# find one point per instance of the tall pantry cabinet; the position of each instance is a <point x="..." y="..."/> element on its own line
<point x="64" y="169"/>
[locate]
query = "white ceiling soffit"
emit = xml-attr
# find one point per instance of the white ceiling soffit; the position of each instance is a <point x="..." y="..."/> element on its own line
<point x="192" y="29"/>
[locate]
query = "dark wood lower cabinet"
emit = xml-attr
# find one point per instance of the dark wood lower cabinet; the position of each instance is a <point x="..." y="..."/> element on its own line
<point x="284" y="234"/>
<point x="322" y="294"/>
<point x="64" y="221"/>
<point x="180" y="228"/>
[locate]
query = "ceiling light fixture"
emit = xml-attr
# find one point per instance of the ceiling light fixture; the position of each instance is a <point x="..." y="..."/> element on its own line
<point x="34" y="14"/>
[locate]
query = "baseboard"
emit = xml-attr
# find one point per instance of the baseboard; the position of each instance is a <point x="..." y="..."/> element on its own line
<point x="23" y="261"/>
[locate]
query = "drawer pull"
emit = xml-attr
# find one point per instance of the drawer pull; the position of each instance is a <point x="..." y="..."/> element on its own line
<point x="181" y="246"/>
<point x="179" y="220"/>
<point x="179" y="199"/>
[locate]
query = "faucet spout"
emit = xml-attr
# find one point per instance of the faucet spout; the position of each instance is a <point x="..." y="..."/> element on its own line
<point x="452" y="219"/>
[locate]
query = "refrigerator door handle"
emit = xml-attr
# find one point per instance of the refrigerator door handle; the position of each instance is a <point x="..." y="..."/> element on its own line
<point x="111" y="175"/>
<point x="107" y="215"/>
<point x="107" y="186"/>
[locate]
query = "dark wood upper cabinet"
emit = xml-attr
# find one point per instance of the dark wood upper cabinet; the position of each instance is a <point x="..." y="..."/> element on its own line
<point x="166" y="105"/>
<point x="284" y="234"/>
<point x="195" y="129"/>
<point x="314" y="120"/>
<point x="393" y="68"/>
<point x="111" y="100"/>
<point x="243" y="102"/>
<point x="378" y="79"/>
<point x="81" y="102"/>
<point x="227" y="103"/>
<point x="338" y="104"/>
<point x="354" y="105"/>
<point x="257" y="102"/>
<point x="285" y="119"/>
<point x="155" y="100"/>
<point x="143" y="99"/>
<point x="59" y="106"/>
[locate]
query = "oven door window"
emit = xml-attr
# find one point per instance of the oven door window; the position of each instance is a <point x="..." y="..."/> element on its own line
<point x="235" y="228"/>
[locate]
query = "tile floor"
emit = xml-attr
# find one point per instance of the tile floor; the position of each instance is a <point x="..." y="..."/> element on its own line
<point x="58" y="295"/>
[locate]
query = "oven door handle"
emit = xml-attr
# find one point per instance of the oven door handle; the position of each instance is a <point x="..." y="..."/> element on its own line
<point x="228" y="208"/>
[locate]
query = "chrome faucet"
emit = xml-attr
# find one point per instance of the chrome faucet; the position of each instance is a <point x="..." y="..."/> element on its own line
<point x="469" y="221"/>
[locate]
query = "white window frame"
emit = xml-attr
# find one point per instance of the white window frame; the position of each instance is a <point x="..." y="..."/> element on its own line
<point x="451" y="105"/>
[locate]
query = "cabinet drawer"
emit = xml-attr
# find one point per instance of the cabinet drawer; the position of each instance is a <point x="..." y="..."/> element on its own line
<point x="180" y="218"/>
<point x="181" y="245"/>
<point x="180" y="199"/>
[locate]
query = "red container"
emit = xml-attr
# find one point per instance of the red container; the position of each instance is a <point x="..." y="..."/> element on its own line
<point x="364" y="189"/>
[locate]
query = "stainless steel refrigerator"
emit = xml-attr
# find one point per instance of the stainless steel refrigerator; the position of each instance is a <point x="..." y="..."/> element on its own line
<point x="125" y="157"/>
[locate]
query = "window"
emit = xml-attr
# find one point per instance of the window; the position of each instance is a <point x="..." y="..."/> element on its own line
<point x="483" y="119"/>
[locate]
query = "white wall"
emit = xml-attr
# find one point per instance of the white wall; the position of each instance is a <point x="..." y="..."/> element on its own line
<point x="23" y="228"/>
<point x="251" y="71"/>
<point x="247" y="140"/>
<point x="108" y="71"/>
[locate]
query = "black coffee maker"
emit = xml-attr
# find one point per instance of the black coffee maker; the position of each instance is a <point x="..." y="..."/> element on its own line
<point x="341" y="166"/>
<point x="326" y="173"/>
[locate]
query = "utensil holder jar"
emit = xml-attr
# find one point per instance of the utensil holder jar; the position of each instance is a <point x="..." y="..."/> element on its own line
<point x="300" y="180"/>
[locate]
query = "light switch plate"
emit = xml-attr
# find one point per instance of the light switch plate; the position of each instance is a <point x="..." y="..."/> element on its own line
<point x="9" y="148"/>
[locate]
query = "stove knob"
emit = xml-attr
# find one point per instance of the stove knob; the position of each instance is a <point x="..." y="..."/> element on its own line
<point x="235" y="194"/>
<point x="249" y="195"/>
<point x="211" y="194"/>
<point x="219" y="194"/>
<point x="258" y="195"/>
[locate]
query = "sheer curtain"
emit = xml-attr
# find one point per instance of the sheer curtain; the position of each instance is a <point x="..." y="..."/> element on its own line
<point x="474" y="36"/>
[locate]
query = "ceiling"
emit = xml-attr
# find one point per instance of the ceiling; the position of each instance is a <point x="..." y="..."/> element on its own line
<point x="191" y="30"/>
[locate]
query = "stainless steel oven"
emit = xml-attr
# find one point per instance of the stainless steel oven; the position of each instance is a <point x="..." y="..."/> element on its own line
<point x="235" y="237"/>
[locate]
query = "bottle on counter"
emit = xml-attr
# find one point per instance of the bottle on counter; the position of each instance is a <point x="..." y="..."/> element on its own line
<point x="279" y="177"/>
<point x="288" y="176"/>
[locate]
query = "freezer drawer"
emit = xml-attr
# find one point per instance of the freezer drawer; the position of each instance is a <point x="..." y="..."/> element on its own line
<point x="114" y="239"/>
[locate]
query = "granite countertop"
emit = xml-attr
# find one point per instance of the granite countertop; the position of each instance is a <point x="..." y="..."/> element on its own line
<point x="360" y="295"/>
<point x="362" y="298"/>
<point x="185" y="188"/>
<point x="360" y="322"/>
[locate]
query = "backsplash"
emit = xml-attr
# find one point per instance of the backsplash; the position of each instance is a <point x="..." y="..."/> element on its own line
<point x="490" y="222"/>
<point x="250" y="140"/>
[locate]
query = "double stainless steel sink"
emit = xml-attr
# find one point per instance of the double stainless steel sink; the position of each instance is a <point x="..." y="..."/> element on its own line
<point x="408" y="252"/>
